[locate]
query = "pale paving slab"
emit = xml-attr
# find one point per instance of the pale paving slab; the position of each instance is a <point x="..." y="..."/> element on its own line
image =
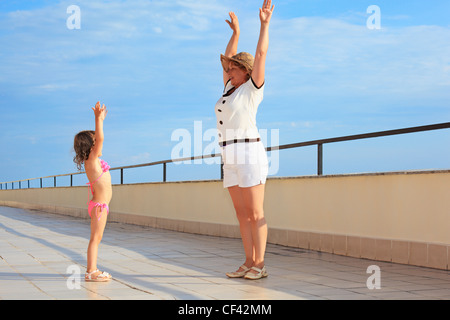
<point x="37" y="248"/>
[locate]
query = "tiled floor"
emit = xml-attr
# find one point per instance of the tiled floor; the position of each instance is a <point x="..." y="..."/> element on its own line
<point x="41" y="255"/>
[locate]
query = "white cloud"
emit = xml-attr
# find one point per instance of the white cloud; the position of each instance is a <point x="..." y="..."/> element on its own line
<point x="159" y="59"/>
<point x="53" y="87"/>
<point x="115" y="40"/>
<point x="137" y="159"/>
<point x="338" y="56"/>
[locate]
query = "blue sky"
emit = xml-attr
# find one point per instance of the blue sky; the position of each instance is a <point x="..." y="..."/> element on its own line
<point x="155" y="64"/>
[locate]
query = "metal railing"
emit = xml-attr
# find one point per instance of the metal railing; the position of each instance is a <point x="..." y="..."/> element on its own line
<point x="319" y="143"/>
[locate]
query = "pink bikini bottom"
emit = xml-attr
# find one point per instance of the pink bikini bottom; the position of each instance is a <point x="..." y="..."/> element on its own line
<point x="102" y="206"/>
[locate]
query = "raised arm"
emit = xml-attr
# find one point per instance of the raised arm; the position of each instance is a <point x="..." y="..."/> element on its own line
<point x="100" y="114"/>
<point x="232" y="46"/>
<point x="259" y="66"/>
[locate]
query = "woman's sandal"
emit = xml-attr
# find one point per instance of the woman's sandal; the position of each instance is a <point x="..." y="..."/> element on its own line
<point x="238" y="274"/>
<point x="102" y="277"/>
<point x="261" y="273"/>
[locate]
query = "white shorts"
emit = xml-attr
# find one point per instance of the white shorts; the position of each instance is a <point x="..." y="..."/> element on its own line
<point x="245" y="164"/>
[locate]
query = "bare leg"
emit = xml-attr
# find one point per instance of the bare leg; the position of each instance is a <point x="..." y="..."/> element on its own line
<point x="97" y="229"/>
<point x="244" y="224"/>
<point x="248" y="203"/>
<point x="254" y="203"/>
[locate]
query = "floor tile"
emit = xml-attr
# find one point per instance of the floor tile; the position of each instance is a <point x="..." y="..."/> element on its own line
<point x="43" y="256"/>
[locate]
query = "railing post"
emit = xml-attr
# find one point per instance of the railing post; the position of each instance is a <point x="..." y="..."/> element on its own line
<point x="319" y="159"/>
<point x="121" y="175"/>
<point x="20" y="185"/>
<point x="28" y="184"/>
<point x="71" y="180"/>
<point x="41" y="182"/>
<point x="221" y="168"/>
<point x="164" y="171"/>
<point x="54" y="181"/>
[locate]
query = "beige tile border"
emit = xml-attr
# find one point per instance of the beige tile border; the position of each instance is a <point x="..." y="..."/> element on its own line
<point x="429" y="255"/>
<point x="400" y="252"/>
<point x="397" y="251"/>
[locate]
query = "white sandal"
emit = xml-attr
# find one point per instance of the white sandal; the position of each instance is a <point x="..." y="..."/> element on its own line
<point x="102" y="277"/>
<point x="261" y="273"/>
<point x="238" y="274"/>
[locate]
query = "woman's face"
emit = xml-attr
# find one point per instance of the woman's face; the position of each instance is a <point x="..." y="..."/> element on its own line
<point x="237" y="75"/>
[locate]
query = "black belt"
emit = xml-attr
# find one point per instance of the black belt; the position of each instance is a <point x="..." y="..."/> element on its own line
<point x="246" y="140"/>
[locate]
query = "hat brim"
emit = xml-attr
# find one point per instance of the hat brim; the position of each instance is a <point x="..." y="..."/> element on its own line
<point x="226" y="62"/>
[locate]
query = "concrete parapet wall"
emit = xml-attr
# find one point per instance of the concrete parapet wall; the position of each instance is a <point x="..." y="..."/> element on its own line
<point x="403" y="217"/>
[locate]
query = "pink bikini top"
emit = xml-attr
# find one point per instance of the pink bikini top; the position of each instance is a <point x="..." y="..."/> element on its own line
<point x="105" y="168"/>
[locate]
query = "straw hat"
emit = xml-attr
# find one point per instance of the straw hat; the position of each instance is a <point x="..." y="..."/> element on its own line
<point x="243" y="58"/>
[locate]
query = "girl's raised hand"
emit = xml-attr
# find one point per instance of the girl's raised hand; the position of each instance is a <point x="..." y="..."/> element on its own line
<point x="100" y="112"/>
<point x="265" y="12"/>
<point x="234" y="23"/>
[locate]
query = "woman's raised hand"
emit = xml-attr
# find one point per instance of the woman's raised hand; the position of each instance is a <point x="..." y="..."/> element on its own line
<point x="234" y="23"/>
<point x="265" y="12"/>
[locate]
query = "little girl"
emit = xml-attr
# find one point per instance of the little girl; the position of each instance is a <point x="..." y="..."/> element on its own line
<point x="88" y="148"/>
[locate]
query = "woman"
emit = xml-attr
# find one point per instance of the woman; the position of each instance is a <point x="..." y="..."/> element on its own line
<point x="245" y="161"/>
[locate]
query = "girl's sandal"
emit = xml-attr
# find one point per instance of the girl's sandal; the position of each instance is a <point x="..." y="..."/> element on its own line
<point x="261" y="273"/>
<point x="102" y="277"/>
<point x="238" y="274"/>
